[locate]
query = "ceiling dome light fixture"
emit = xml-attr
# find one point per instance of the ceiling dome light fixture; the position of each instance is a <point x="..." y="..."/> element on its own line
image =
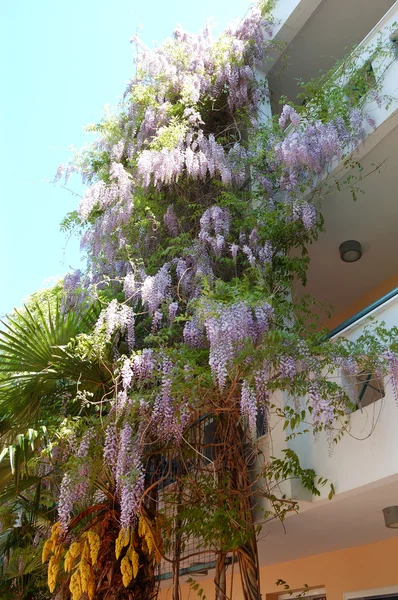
<point x="350" y="251"/>
<point x="391" y="517"/>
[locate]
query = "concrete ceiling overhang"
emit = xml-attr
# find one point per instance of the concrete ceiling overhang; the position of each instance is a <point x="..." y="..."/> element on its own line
<point x="349" y="520"/>
<point x="372" y="220"/>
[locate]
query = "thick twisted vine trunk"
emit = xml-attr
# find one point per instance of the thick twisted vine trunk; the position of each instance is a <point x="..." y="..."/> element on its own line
<point x="249" y="569"/>
<point x="237" y="462"/>
<point x="151" y="586"/>
<point x="248" y="552"/>
<point x="177" y="548"/>
<point x="220" y="579"/>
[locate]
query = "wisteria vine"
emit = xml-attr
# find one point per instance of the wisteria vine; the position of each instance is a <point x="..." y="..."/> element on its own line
<point x="189" y="220"/>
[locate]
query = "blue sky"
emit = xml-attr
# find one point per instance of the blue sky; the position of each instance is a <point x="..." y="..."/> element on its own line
<point x="61" y="63"/>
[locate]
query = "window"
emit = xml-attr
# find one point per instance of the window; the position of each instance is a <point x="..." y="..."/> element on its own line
<point x="360" y="83"/>
<point x="315" y="594"/>
<point x="370" y="388"/>
<point x="387" y="593"/>
<point x="364" y="388"/>
<point x="261" y="422"/>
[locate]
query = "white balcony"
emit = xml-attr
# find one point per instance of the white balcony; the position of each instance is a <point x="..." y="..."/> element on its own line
<point x="363" y="468"/>
<point x="368" y="452"/>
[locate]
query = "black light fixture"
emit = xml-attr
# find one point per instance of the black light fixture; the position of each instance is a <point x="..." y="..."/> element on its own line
<point x="391" y="517"/>
<point x="350" y="251"/>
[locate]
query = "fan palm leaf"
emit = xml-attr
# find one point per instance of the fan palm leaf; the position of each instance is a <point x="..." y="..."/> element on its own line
<point x="37" y="370"/>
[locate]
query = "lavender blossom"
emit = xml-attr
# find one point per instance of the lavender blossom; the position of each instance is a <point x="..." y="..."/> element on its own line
<point x="308" y="216"/>
<point x="111" y="448"/>
<point x="168" y="417"/>
<point x="129" y="286"/>
<point x="85" y="443"/>
<point x="193" y="334"/>
<point x="249" y="253"/>
<point x="156" y="320"/>
<point x="288" y="367"/>
<point x="127" y="374"/>
<point x="263" y="317"/>
<point x="248" y="408"/>
<point x="143" y="364"/>
<point x="227" y="327"/>
<point x="124" y="458"/>
<point x="266" y="253"/>
<point x="392" y="363"/>
<point x="155" y="289"/>
<point x="117" y="317"/>
<point x="261" y="378"/>
<point x="131" y="493"/>
<point x="323" y="413"/>
<point x="234" y="251"/>
<point x="67" y="497"/>
<point x="173" y="308"/>
<point x="214" y="226"/>
<point x="171" y="221"/>
<point x="288" y="113"/>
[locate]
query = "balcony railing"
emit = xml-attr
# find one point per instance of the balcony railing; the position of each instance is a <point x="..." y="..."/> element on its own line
<point x="368" y="451"/>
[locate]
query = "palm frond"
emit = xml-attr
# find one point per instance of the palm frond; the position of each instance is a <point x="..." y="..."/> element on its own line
<point x="36" y="369"/>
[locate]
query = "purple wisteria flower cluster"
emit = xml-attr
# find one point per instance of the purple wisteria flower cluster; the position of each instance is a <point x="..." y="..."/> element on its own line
<point x="156" y="288"/>
<point x="392" y="362"/>
<point x="128" y="469"/>
<point x="115" y="317"/>
<point x="75" y="484"/>
<point x="228" y="328"/>
<point x="323" y="411"/>
<point x="214" y="227"/>
<point x="169" y="417"/>
<point x="171" y="221"/>
<point x="197" y="155"/>
<point x="311" y="149"/>
<point x="248" y="408"/>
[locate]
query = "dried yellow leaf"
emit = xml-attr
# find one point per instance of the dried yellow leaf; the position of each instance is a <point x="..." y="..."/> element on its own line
<point x="85" y="574"/>
<point x="95" y="544"/>
<point x="53" y="569"/>
<point x="149" y="542"/>
<point x="86" y="551"/>
<point x="142" y="528"/>
<point x="68" y="562"/>
<point x="135" y="561"/>
<point x="55" y="529"/>
<point x="122" y="540"/>
<point x="75" y="586"/>
<point x="75" y="549"/>
<point x="126" y="570"/>
<point x="47" y="549"/>
<point x="91" y="589"/>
